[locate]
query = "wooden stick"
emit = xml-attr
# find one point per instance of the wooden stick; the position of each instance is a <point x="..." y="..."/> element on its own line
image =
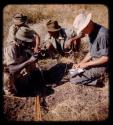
<point x="38" y="110"/>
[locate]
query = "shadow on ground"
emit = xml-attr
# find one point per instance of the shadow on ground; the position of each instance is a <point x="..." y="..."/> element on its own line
<point x="42" y="82"/>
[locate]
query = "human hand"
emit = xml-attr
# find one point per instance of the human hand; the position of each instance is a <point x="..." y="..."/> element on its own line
<point x="80" y="65"/>
<point x="48" y="45"/>
<point x="83" y="65"/>
<point x="76" y="66"/>
<point x="67" y="44"/>
<point x="36" y="49"/>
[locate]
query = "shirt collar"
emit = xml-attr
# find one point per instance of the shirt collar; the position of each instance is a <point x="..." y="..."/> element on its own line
<point x="94" y="33"/>
<point x="59" y="37"/>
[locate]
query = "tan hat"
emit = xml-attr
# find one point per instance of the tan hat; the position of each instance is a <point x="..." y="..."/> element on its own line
<point x="81" y="21"/>
<point x="53" y="26"/>
<point x="19" y="18"/>
<point x="24" y="34"/>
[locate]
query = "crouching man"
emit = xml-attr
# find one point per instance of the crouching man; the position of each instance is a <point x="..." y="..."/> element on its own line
<point x="59" y="38"/>
<point x="18" y="62"/>
<point x="95" y="62"/>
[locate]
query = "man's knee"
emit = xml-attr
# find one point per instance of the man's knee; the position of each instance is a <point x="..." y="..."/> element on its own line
<point x="75" y="80"/>
<point x="8" y="84"/>
<point x="6" y="78"/>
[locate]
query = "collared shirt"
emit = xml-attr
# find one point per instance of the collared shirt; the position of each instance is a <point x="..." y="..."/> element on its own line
<point x="14" y="54"/>
<point x="64" y="35"/>
<point x="98" y="41"/>
<point x="12" y="32"/>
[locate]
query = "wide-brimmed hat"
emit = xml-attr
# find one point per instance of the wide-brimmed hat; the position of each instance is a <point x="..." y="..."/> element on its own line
<point x="81" y="21"/>
<point x="24" y="34"/>
<point x="19" y="18"/>
<point x="53" y="26"/>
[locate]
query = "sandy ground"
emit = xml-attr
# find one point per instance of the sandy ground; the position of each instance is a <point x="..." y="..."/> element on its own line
<point x="67" y="102"/>
<point x="70" y="102"/>
<point x="75" y="103"/>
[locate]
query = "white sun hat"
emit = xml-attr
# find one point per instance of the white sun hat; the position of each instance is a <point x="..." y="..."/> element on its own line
<point x="81" y="21"/>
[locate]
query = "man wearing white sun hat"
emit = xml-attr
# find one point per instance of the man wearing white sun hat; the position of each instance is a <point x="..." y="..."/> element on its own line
<point x="80" y="22"/>
<point x="95" y="62"/>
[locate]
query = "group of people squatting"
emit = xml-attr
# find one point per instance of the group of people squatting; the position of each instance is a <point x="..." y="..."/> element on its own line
<point x="18" y="63"/>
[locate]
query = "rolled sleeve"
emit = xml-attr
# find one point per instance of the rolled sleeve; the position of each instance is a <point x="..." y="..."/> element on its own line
<point x="104" y="45"/>
<point x="10" y="55"/>
<point x="100" y="46"/>
<point x="11" y="34"/>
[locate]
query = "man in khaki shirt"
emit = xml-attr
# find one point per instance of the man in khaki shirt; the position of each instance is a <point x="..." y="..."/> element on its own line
<point x="58" y="38"/>
<point x="17" y="60"/>
<point x="20" y="20"/>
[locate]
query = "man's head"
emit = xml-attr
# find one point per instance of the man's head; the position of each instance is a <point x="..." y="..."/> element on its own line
<point x="53" y="27"/>
<point x="19" y="19"/>
<point x="83" y="23"/>
<point x="24" y="36"/>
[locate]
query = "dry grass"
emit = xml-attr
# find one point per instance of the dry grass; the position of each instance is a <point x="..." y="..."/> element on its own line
<point x="78" y="103"/>
<point x="71" y="102"/>
<point x="64" y="13"/>
<point x="68" y="102"/>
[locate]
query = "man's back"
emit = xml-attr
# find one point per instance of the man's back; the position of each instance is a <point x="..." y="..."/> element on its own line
<point x="99" y="41"/>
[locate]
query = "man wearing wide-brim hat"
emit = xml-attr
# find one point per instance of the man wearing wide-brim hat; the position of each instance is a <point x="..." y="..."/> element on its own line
<point x="17" y="60"/>
<point x="57" y="36"/>
<point x="95" y="62"/>
<point x="19" y="20"/>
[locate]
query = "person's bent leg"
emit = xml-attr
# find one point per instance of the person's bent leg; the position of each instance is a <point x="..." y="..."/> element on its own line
<point x="89" y="77"/>
<point x="8" y="84"/>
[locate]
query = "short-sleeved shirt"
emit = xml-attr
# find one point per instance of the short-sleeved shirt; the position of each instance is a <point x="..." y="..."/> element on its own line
<point x="98" y="41"/>
<point x="12" y="32"/>
<point x="13" y="54"/>
<point x="64" y="35"/>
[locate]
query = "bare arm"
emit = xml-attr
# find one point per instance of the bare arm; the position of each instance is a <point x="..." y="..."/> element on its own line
<point x="18" y="67"/>
<point x="77" y="37"/>
<point x="74" y="39"/>
<point x="86" y="59"/>
<point x="37" y="38"/>
<point x="99" y="61"/>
